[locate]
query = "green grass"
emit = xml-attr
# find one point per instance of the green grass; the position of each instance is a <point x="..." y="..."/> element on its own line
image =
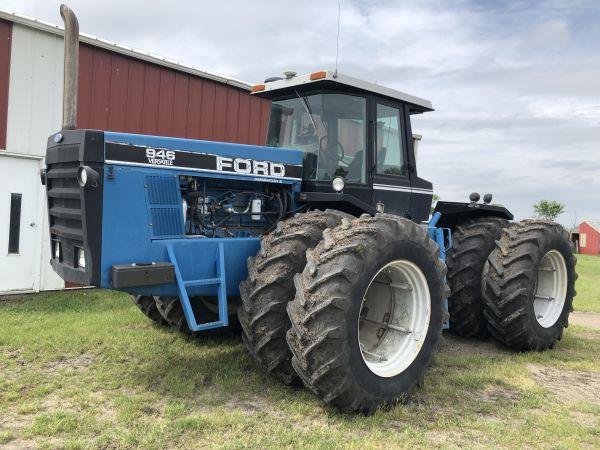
<point x="588" y="284"/>
<point x="85" y="369"/>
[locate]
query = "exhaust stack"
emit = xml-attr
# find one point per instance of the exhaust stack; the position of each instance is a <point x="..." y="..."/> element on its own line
<point x="71" y="68"/>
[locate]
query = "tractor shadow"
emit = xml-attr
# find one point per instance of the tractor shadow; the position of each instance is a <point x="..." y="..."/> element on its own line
<point x="453" y="344"/>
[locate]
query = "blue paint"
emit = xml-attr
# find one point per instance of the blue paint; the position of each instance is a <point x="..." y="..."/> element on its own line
<point x="443" y="238"/>
<point x="143" y="222"/>
<point x="218" y="281"/>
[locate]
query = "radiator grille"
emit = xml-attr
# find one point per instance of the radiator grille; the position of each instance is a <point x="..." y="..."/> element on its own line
<point x="162" y="190"/>
<point x="64" y="201"/>
<point x="165" y="209"/>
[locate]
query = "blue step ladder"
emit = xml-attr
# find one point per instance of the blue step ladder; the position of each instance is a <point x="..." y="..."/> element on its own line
<point x="219" y="281"/>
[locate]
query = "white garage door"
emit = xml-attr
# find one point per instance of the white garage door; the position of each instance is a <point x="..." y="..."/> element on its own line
<point x="20" y="232"/>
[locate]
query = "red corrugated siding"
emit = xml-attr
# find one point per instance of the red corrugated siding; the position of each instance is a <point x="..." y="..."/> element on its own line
<point x="5" y="45"/>
<point x="592" y="240"/>
<point x="121" y="93"/>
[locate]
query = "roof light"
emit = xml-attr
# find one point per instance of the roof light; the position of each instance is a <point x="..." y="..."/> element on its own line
<point x="258" y="87"/>
<point x="318" y="75"/>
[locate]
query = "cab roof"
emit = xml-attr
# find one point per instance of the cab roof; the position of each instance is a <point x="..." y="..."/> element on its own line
<point x="272" y="89"/>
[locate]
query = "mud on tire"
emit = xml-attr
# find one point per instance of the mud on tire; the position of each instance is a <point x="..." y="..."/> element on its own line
<point x="270" y="286"/>
<point x="532" y="266"/>
<point x="147" y="305"/>
<point x="472" y="243"/>
<point x="325" y="313"/>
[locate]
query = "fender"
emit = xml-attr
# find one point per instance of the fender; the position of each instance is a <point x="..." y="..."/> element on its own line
<point x="454" y="213"/>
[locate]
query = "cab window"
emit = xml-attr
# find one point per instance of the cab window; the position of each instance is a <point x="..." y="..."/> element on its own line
<point x="329" y="128"/>
<point x="390" y="141"/>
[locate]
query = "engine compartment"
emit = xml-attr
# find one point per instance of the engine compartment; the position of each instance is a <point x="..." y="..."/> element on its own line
<point x="219" y="208"/>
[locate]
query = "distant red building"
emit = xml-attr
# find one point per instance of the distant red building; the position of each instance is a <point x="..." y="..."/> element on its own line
<point x="589" y="238"/>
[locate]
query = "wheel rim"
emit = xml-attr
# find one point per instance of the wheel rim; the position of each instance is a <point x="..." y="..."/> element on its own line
<point x="394" y="318"/>
<point x="550" y="289"/>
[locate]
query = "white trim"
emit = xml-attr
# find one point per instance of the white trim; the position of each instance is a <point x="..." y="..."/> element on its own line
<point x="336" y="77"/>
<point x="20" y="155"/>
<point x="387" y="187"/>
<point x="252" y="177"/>
<point x="32" y="22"/>
<point x="380" y="187"/>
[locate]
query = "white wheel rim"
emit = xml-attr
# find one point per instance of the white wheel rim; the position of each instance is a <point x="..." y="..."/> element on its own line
<point x="550" y="289"/>
<point x="394" y="318"/>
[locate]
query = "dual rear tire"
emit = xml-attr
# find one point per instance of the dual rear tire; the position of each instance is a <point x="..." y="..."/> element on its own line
<point x="472" y="242"/>
<point x="357" y="318"/>
<point x="513" y="281"/>
<point x="269" y="287"/>
<point x="530" y="285"/>
<point x="368" y="313"/>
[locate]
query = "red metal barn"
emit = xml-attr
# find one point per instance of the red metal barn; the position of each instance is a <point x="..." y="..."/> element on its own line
<point x="120" y="89"/>
<point x="589" y="238"/>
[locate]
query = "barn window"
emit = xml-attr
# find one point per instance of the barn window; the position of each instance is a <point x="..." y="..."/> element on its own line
<point x="14" y="229"/>
<point x="582" y="240"/>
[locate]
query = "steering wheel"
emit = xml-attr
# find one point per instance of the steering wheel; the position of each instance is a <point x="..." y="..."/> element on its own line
<point x="340" y="155"/>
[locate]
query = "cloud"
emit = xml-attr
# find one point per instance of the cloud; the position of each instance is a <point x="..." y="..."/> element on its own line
<point x="515" y="84"/>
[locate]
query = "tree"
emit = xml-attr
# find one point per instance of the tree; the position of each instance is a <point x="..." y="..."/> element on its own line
<point x="549" y="209"/>
<point x="434" y="200"/>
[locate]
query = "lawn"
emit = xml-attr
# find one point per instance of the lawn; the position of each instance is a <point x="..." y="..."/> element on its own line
<point x="588" y="284"/>
<point x="85" y="369"/>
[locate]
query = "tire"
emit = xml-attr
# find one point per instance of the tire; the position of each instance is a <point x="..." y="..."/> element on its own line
<point x="326" y="311"/>
<point x="147" y="305"/>
<point x="531" y="264"/>
<point x="472" y="243"/>
<point x="269" y="287"/>
<point x="171" y="310"/>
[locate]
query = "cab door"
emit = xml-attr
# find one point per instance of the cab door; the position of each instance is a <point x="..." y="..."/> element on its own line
<point x="391" y="182"/>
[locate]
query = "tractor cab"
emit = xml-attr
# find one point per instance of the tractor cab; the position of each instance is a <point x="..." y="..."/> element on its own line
<point x="356" y="139"/>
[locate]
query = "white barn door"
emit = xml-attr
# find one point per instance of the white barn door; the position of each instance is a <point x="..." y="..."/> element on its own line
<point x="20" y="237"/>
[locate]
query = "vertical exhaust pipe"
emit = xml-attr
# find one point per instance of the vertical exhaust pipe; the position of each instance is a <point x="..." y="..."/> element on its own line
<point x="69" y="117"/>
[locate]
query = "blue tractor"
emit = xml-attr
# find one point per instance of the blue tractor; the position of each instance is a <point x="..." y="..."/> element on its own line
<point x="319" y="246"/>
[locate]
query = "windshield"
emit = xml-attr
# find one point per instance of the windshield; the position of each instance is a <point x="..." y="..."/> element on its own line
<point x="329" y="128"/>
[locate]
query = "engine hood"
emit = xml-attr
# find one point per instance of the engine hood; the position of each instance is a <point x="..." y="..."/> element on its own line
<point x="256" y="162"/>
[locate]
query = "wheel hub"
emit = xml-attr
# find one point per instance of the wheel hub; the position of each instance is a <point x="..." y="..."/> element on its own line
<point x="550" y="289"/>
<point x="394" y="318"/>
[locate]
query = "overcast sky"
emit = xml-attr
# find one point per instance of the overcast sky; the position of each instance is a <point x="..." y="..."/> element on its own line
<point x="515" y="85"/>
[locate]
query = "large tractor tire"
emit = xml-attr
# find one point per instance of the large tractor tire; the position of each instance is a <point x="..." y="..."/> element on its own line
<point x="147" y="305"/>
<point x="530" y="285"/>
<point x="472" y="243"/>
<point x="270" y="286"/>
<point x="368" y="312"/>
<point x="205" y="310"/>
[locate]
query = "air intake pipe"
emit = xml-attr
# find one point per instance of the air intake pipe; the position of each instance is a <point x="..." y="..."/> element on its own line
<point x="69" y="117"/>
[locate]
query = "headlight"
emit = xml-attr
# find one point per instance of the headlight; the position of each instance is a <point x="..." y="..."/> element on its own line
<point x="86" y="176"/>
<point x="338" y="184"/>
<point x="56" y="250"/>
<point x="80" y="258"/>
